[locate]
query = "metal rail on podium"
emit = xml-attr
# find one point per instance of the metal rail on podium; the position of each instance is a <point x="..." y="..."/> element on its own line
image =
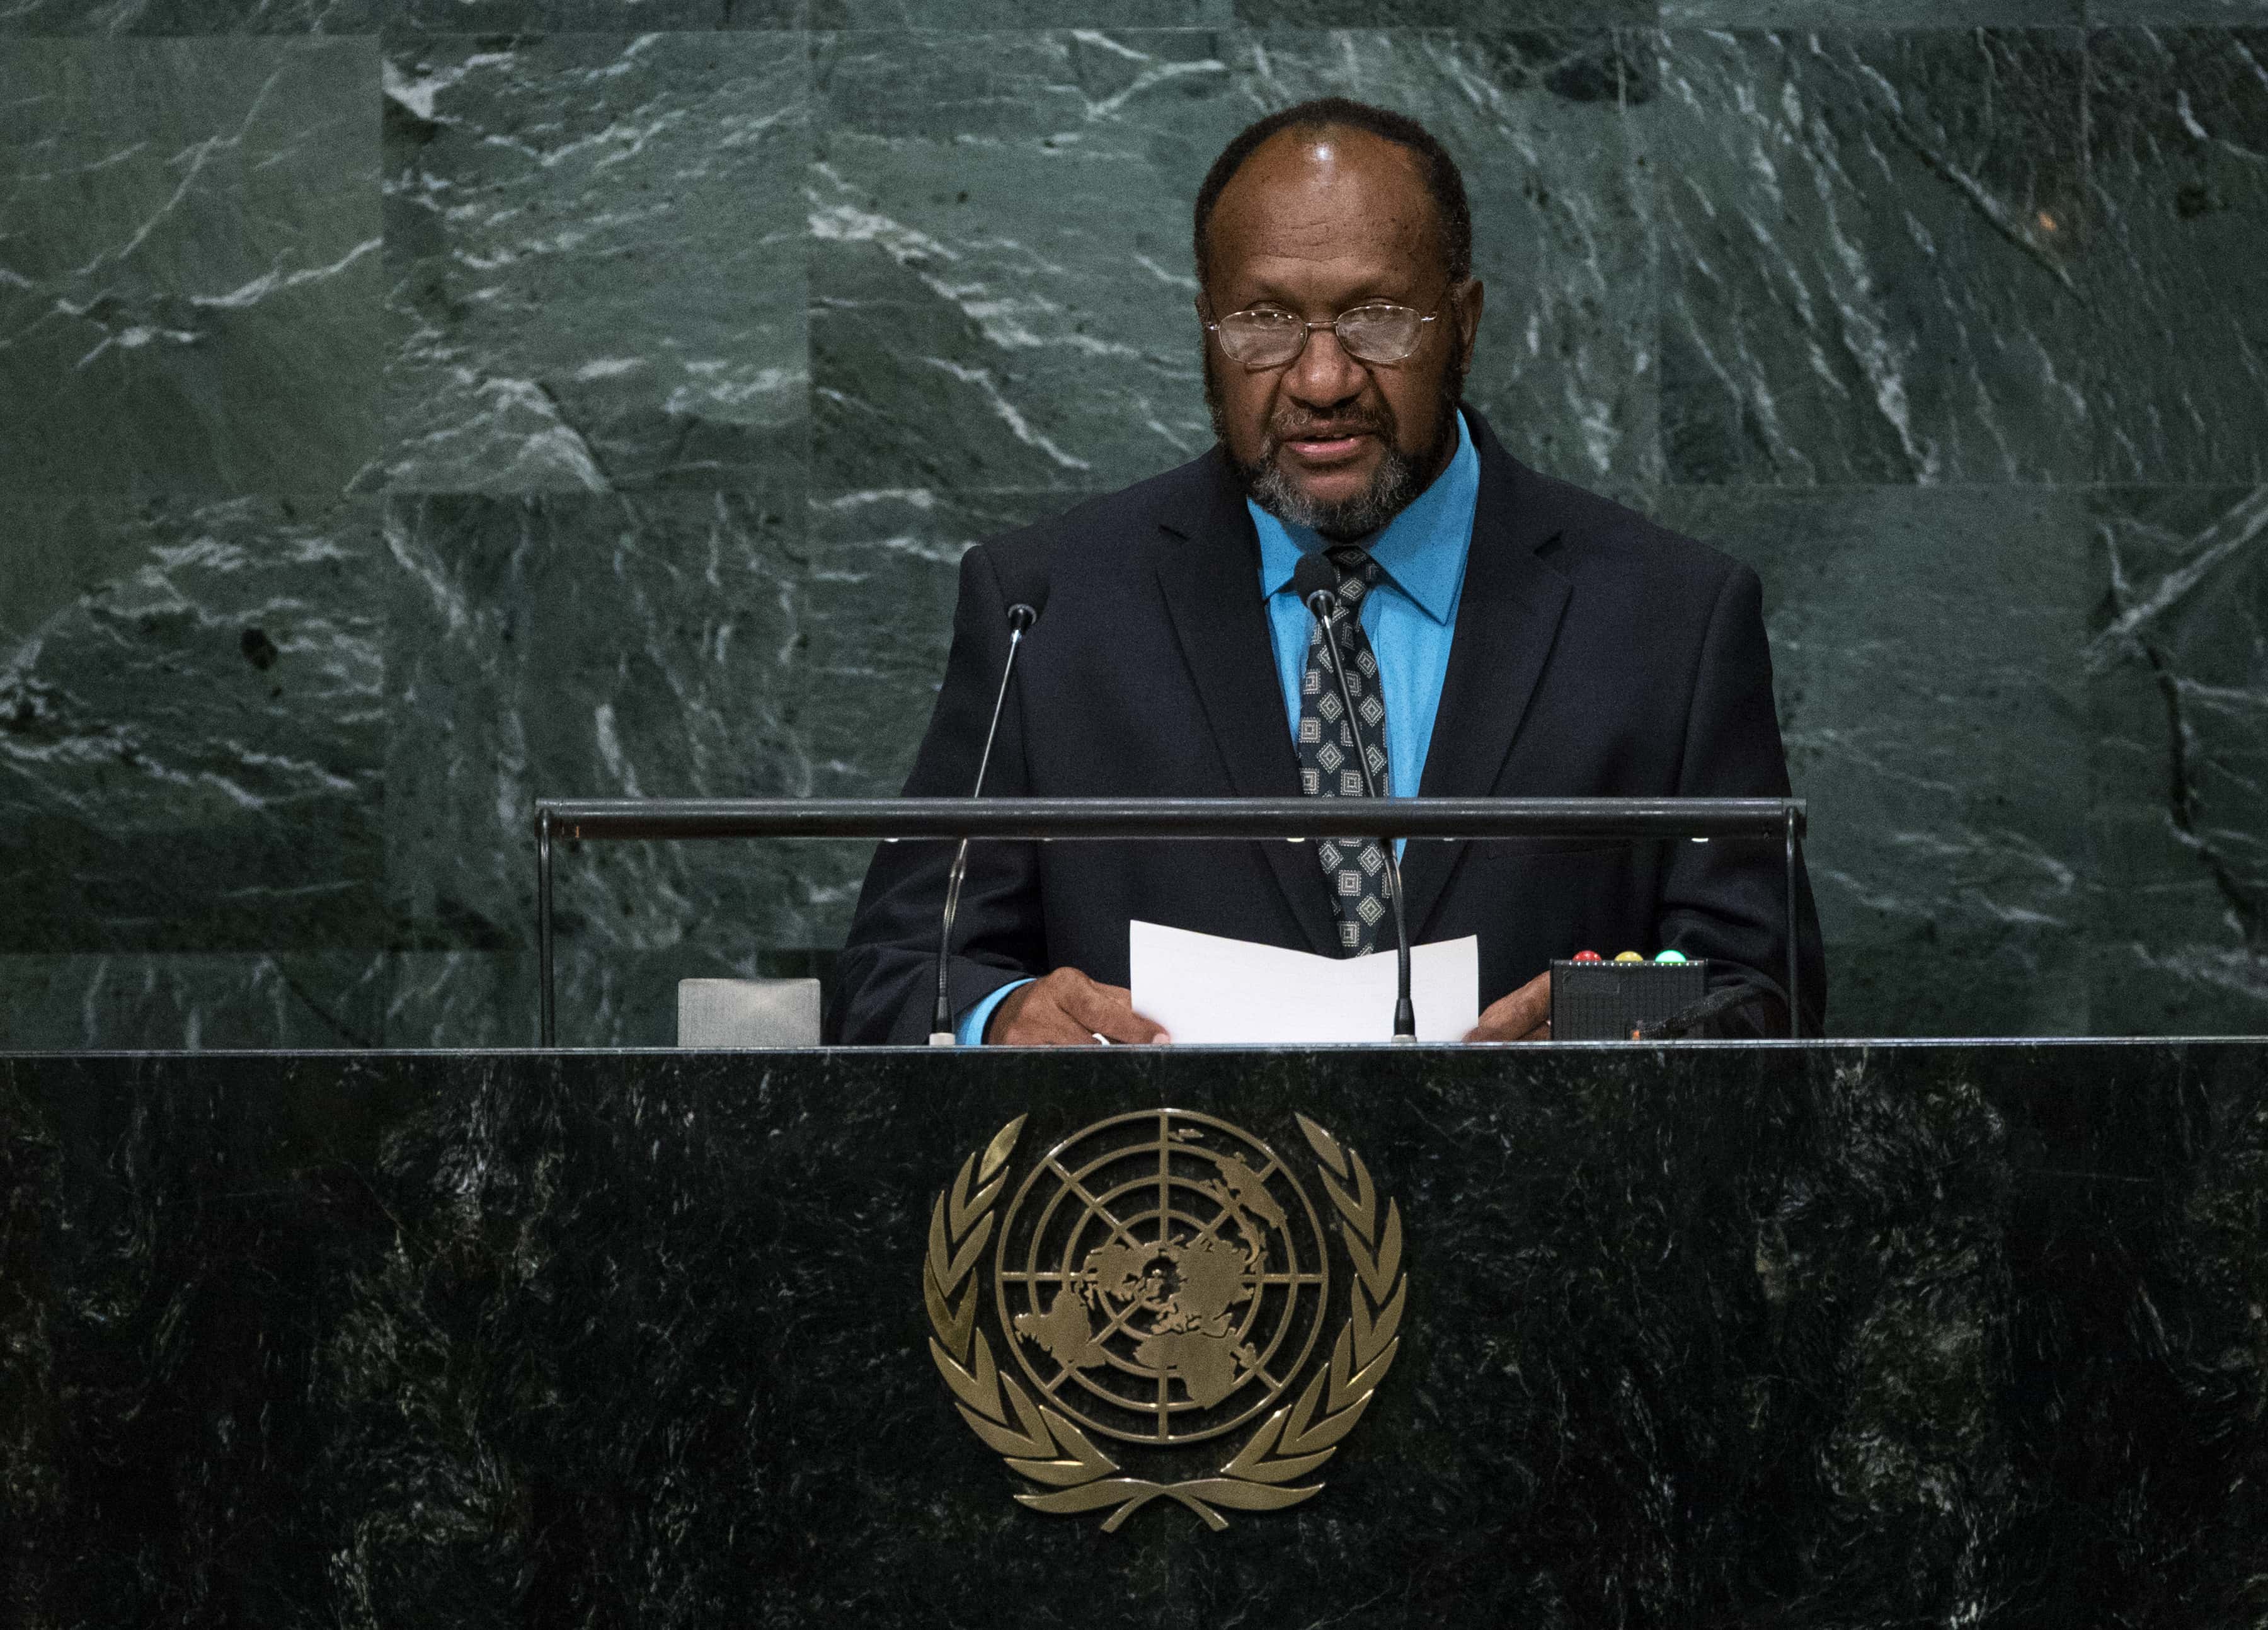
<point x="1050" y="820"/>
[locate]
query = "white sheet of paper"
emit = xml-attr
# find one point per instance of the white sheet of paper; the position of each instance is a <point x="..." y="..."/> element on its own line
<point x="1205" y="988"/>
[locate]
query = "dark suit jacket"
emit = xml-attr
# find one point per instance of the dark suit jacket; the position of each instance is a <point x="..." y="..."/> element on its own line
<point x="1596" y="655"/>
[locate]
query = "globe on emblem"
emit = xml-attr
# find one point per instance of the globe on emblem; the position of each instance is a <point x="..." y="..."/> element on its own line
<point x="1161" y="1277"/>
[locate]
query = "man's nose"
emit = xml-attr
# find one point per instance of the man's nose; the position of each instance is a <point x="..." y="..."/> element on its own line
<point x="1323" y="375"/>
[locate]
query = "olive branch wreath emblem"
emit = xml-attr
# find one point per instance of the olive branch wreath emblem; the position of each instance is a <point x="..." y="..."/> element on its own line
<point x="1044" y="1445"/>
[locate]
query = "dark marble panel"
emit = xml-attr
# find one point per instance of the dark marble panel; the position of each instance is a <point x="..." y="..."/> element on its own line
<point x="2178" y="676"/>
<point x="594" y="645"/>
<point x="1869" y="257"/>
<point x="201" y="1002"/>
<point x="2117" y="13"/>
<point x="999" y="269"/>
<point x="190" y="1002"/>
<point x="478" y="999"/>
<point x="1843" y="14"/>
<point x="1473" y="17"/>
<point x="1708" y="1336"/>
<point x="191" y="727"/>
<point x="620" y="17"/>
<point x="189" y="264"/>
<point x="963" y="17"/>
<point x="115" y="18"/>
<point x="1926" y="652"/>
<point x="596" y="260"/>
<point x="1000" y="277"/>
<point x="2177" y="268"/>
<point x="885" y="569"/>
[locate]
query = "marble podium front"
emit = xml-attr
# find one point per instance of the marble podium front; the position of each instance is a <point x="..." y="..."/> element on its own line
<point x="1795" y="1335"/>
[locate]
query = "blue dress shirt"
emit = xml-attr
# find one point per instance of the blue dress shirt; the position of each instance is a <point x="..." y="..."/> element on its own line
<point x="1409" y="618"/>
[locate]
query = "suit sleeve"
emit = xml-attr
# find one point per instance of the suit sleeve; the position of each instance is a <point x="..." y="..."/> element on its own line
<point x="889" y="969"/>
<point x="1727" y="899"/>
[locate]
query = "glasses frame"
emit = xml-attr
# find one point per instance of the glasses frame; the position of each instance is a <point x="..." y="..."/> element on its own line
<point x="1307" y="329"/>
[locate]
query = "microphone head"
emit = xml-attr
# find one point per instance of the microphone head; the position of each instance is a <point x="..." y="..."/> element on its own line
<point x="1317" y="586"/>
<point x="1020" y="617"/>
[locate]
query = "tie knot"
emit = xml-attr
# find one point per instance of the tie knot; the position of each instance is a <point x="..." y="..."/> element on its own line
<point x="1354" y="565"/>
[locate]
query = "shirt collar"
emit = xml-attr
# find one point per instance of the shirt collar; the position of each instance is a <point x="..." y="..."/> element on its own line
<point x="1422" y="550"/>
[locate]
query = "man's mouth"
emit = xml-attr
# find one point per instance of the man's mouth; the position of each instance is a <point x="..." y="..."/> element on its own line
<point x="1326" y="446"/>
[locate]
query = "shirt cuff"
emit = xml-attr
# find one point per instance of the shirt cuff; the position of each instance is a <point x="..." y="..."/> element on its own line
<point x="970" y="1031"/>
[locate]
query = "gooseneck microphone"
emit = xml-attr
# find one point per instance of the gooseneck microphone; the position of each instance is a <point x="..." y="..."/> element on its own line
<point x="1316" y="583"/>
<point x="1021" y="618"/>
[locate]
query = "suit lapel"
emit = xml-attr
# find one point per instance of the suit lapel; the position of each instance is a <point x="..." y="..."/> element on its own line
<point x="1508" y="615"/>
<point x="1209" y="572"/>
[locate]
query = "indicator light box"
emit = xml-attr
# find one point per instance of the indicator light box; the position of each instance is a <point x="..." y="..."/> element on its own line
<point x="1602" y="1001"/>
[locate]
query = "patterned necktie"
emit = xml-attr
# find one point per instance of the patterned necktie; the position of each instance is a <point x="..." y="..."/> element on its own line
<point x="1353" y="867"/>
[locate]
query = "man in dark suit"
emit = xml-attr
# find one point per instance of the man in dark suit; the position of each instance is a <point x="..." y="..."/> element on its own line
<point x="1506" y="634"/>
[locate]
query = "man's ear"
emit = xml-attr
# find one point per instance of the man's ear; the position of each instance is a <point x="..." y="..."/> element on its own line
<point x="1468" y="299"/>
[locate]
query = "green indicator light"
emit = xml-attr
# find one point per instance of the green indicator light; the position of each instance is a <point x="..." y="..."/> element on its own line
<point x="1671" y="956"/>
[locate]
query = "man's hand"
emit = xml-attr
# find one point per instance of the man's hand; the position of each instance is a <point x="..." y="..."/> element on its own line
<point x="1523" y="1016"/>
<point x="1068" y="1009"/>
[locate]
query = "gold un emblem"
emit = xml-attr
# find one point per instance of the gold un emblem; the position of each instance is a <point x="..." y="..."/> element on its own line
<point x="1161" y="1279"/>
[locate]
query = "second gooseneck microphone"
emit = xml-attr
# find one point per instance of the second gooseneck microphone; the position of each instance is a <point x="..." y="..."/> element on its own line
<point x="1316" y="585"/>
<point x="1021" y="618"/>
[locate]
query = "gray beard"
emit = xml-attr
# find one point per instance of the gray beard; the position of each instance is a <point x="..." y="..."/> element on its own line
<point x="1394" y="486"/>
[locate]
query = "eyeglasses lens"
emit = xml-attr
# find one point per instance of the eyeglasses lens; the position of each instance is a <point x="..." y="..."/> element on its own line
<point x="1268" y="339"/>
<point x="1379" y="332"/>
<point x="1262" y="339"/>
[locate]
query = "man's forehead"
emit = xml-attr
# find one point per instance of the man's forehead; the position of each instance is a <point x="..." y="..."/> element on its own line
<point x="1320" y="195"/>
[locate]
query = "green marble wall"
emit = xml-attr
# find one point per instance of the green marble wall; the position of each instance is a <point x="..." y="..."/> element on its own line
<point x="413" y="407"/>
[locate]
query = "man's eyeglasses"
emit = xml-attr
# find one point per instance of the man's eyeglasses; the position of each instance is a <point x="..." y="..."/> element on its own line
<point x="1266" y="338"/>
